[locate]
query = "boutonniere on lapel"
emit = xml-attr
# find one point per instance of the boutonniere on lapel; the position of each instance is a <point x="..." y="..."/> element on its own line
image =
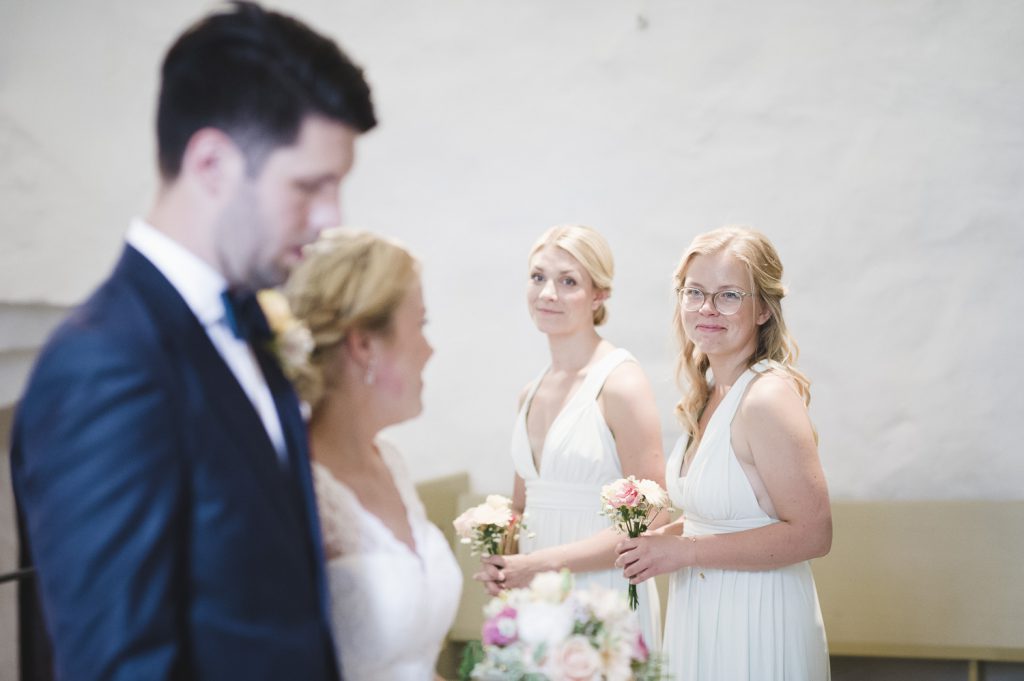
<point x="292" y="342"/>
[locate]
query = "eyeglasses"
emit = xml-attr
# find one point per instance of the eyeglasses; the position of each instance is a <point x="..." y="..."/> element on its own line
<point x="727" y="302"/>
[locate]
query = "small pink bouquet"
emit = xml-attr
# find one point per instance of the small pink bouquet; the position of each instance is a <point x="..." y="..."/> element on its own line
<point x="490" y="529"/>
<point x="633" y="505"/>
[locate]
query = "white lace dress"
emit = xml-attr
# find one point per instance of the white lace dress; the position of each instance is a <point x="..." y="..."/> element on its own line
<point x="391" y="607"/>
<point x="740" y="625"/>
<point x="563" y="498"/>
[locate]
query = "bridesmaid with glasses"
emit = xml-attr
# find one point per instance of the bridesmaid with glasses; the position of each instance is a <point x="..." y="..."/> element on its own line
<point x="742" y="603"/>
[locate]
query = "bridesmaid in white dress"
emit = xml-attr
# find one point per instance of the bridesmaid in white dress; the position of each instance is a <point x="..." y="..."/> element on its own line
<point x="588" y="419"/>
<point x="393" y="580"/>
<point x="742" y="602"/>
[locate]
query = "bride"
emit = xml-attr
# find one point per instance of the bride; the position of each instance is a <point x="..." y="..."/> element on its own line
<point x="393" y="580"/>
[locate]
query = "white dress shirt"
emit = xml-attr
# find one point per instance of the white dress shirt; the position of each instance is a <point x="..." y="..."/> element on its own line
<point x="201" y="287"/>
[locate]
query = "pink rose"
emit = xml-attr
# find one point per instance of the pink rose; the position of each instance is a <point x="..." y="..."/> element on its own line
<point x="574" y="660"/>
<point x="501" y="629"/>
<point x="626" y="493"/>
<point x="640" y="651"/>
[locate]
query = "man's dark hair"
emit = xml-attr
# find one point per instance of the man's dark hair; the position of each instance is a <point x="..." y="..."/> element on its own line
<point x="256" y="75"/>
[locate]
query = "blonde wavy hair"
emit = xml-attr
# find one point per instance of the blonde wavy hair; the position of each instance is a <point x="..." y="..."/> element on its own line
<point x="348" y="280"/>
<point x="774" y="342"/>
<point x="591" y="250"/>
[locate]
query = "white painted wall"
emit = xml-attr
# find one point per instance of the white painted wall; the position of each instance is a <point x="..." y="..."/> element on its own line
<point x="879" y="144"/>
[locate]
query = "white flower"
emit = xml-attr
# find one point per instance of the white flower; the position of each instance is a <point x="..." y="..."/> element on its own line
<point x="618" y="661"/>
<point x="544" y="619"/>
<point x="486" y="514"/>
<point x="492" y="512"/>
<point x="485" y="526"/>
<point x="547" y="623"/>
<point x="605" y="604"/>
<point x="464" y="525"/>
<point x="275" y="308"/>
<point x="653" y="493"/>
<point x="498" y="501"/>
<point x="293" y="341"/>
<point x="551" y="587"/>
<point x="574" y="660"/>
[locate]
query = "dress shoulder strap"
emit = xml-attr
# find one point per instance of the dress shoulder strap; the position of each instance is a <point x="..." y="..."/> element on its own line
<point x="732" y="400"/>
<point x="602" y="369"/>
<point x="533" y="390"/>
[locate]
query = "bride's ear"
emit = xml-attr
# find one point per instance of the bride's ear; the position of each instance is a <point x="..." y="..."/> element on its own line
<point x="361" y="347"/>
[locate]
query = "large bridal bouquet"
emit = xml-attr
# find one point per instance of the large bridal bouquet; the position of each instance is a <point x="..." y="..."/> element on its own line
<point x="632" y="505"/>
<point x="490" y="529"/>
<point x="549" y="632"/>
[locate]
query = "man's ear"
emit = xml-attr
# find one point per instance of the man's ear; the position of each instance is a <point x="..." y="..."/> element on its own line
<point x="213" y="162"/>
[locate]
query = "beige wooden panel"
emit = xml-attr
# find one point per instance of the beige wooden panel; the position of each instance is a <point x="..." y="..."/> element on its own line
<point x="440" y="497"/>
<point x="470" y="617"/>
<point x="925" y="579"/>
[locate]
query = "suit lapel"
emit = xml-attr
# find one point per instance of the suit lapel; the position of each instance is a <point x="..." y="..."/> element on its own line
<point x="295" y="433"/>
<point x="226" y="398"/>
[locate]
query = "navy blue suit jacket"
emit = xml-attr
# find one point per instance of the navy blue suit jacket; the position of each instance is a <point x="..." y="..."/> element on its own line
<point x="168" y="541"/>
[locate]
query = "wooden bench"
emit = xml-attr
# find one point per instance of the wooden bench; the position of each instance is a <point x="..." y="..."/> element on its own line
<point x="940" y="580"/>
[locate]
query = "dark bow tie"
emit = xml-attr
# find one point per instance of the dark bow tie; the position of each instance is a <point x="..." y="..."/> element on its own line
<point x="244" y="316"/>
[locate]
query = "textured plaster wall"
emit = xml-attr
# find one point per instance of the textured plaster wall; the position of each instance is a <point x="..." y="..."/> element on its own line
<point x="879" y="144"/>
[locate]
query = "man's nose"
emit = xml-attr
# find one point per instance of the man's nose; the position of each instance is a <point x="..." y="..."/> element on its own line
<point x="325" y="212"/>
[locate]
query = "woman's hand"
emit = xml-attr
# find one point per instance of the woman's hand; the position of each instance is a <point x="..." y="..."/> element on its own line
<point x="491" y="576"/>
<point x="506" y="572"/>
<point x="655" y="553"/>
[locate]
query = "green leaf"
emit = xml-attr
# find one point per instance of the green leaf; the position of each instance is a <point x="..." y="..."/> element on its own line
<point x="472" y="655"/>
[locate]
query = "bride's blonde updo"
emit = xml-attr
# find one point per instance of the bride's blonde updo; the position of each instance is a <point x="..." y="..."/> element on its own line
<point x="348" y="280"/>
<point x="591" y="250"/>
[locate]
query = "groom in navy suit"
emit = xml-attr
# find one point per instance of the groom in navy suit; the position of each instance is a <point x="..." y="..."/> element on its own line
<point x="159" y="459"/>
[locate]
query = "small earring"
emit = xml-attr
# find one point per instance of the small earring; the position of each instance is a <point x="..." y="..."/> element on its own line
<point x="371" y="372"/>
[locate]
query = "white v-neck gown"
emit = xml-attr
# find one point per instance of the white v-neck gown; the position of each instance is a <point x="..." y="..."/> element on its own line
<point x="391" y="607"/>
<point x="736" y="625"/>
<point x="563" y="498"/>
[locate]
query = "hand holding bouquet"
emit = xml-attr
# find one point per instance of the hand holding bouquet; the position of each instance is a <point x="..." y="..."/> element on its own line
<point x="490" y="529"/>
<point x="632" y="505"/>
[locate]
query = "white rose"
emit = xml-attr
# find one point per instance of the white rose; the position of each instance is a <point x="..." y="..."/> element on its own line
<point x="544" y="622"/>
<point x="499" y="603"/>
<point x="574" y="660"/>
<point x="608" y="605"/>
<point x="515" y="597"/>
<point x="618" y="659"/>
<point x="296" y="342"/>
<point x="498" y="501"/>
<point x="485" y="514"/>
<point x="464" y="524"/>
<point x="551" y="587"/>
